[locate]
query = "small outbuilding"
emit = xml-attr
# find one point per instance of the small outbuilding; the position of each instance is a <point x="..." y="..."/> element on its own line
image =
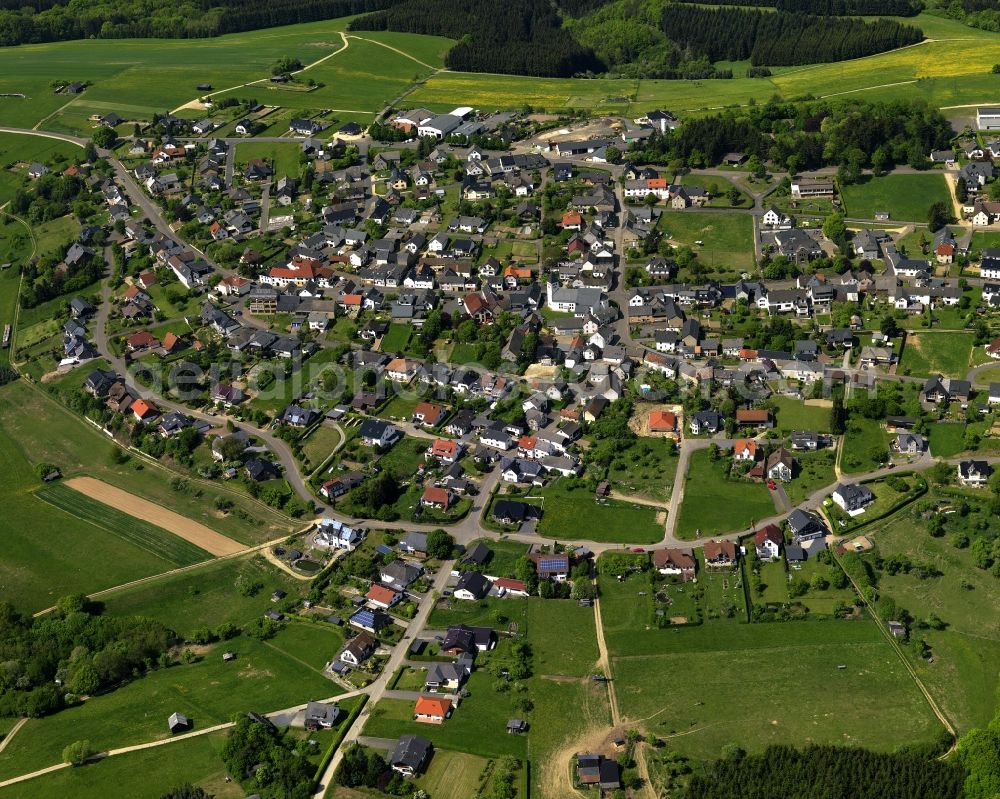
<point x="178" y="722"/>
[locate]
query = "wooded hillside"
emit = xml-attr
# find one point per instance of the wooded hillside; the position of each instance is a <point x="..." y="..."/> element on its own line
<point x="519" y="37"/>
<point x="35" y="21"/>
<point x="780" y="38"/>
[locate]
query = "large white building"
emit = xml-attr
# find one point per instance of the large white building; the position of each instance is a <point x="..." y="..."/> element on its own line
<point x="988" y="118"/>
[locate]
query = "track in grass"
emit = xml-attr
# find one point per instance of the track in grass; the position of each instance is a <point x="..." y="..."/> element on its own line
<point x="136" y="531"/>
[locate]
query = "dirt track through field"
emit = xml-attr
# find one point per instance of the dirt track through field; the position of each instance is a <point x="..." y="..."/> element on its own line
<point x="186" y="528"/>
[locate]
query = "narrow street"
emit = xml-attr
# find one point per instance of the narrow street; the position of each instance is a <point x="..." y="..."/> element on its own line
<point x="378" y="688"/>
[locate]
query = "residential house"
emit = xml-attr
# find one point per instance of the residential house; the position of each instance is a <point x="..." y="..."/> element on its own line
<point x="674" y="563"/>
<point x="780" y="465"/>
<point x="805" y="525"/>
<point x="973" y="473"/>
<point x="371" y="620"/>
<point x="745" y="449"/>
<point x="411" y="755"/>
<point x="437" y="498"/>
<point x="322" y="716"/>
<point x="472" y="586"/>
<point x="382" y="597"/>
<point x="379" y="433"/>
<point x="852" y="498"/>
<point x="551" y="566"/>
<point x="446" y="677"/>
<point x="754" y="418"/>
<point x="706" y="422"/>
<point x="768" y="541"/>
<point x="460" y="639"/>
<point x="909" y="443"/>
<point x="359" y="648"/>
<point x="432" y="710"/>
<point x="720" y="554"/>
<point x="399" y="574"/>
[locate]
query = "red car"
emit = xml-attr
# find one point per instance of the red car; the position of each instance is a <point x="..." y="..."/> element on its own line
<point x="638" y="550"/>
<point x="772" y="485"/>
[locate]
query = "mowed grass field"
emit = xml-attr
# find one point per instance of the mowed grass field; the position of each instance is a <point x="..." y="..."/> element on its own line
<point x="16" y="148"/>
<point x="15" y="248"/>
<point x="49" y="552"/>
<point x="905" y="197"/>
<point x="263" y="678"/>
<point x="573" y="512"/>
<point x="195" y="760"/>
<point x="46" y="431"/>
<point x="966" y="666"/>
<point x="953" y="70"/>
<point x="137" y="77"/>
<point x="764" y="684"/>
<point x="946" y="440"/>
<point x="283" y="157"/>
<point x="727" y="237"/>
<point x="397" y="338"/>
<point x="714" y="505"/>
<point x="206" y="596"/>
<point x="452" y="775"/>
<point x="142" y="534"/>
<point x="862" y="439"/>
<point x="946" y="353"/>
<point x="793" y="414"/>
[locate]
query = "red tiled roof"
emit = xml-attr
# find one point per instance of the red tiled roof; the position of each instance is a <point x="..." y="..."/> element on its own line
<point x="142" y="338"/>
<point x="439" y="496"/>
<point x="380" y="593"/>
<point x="442" y="448"/>
<point x="432" y="706"/>
<point x="660" y="421"/>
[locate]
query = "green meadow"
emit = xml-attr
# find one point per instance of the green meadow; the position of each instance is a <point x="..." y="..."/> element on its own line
<point x="139" y="77"/>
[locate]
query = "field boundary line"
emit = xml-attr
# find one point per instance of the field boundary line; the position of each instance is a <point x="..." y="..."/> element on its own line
<point x="52" y="499"/>
<point x="339" y="50"/>
<point x="139" y="507"/>
<point x="290" y="656"/>
<point x="179" y="570"/>
<point x="164" y="741"/>
<point x="59" y="110"/>
<point x="12" y="345"/>
<point x="275" y="514"/>
<point x="906" y="663"/>
<point x="13" y="731"/>
<point x="394" y="49"/>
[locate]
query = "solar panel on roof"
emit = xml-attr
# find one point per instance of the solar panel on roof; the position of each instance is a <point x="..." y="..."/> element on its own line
<point x="553" y="563"/>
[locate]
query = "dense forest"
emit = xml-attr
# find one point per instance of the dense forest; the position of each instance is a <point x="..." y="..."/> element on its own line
<point x="836" y="8"/>
<point x="73" y="651"/>
<point x="628" y="38"/>
<point x="519" y="37"/>
<point x="850" y="133"/>
<point x="639" y="38"/>
<point x="829" y="772"/>
<point x="31" y="21"/>
<point x="781" y="38"/>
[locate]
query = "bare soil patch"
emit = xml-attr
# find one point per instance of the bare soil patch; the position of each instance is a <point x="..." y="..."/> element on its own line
<point x="186" y="528"/>
<point x="639" y="423"/>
